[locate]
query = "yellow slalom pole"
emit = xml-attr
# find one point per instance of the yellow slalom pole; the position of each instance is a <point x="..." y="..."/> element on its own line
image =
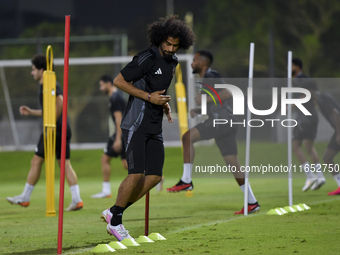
<point x="49" y="116"/>
<point x="181" y="102"/>
<point x="182" y="109"/>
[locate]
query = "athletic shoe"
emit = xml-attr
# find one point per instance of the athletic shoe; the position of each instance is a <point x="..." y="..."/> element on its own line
<point x="309" y="182"/>
<point x="181" y="186"/>
<point x="75" y="206"/>
<point x="18" y="200"/>
<point x="118" y="231"/>
<point x="252" y="208"/>
<point x="106" y="216"/>
<point x="335" y="192"/>
<point x="101" y="195"/>
<point x="318" y="183"/>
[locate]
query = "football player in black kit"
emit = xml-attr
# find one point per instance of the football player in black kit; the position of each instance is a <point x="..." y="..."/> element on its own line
<point x="146" y="78"/>
<point x="225" y="137"/>
<point x="115" y="143"/>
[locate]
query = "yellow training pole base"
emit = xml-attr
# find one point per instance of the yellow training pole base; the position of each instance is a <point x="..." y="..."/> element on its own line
<point x="50" y="213"/>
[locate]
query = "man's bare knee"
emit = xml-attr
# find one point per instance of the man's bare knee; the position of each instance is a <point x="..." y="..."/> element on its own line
<point x="186" y="137"/>
<point x="37" y="161"/>
<point x="105" y="159"/>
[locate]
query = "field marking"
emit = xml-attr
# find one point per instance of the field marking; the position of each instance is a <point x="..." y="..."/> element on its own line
<point x="237" y="218"/>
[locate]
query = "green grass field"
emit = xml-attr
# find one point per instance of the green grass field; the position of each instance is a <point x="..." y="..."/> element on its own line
<point x="204" y="223"/>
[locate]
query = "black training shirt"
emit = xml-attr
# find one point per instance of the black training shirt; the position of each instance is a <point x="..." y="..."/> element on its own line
<point x="116" y="104"/>
<point x="212" y="77"/>
<point x="150" y="72"/>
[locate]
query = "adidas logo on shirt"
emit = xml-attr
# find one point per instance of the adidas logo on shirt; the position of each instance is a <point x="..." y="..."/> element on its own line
<point x="159" y="71"/>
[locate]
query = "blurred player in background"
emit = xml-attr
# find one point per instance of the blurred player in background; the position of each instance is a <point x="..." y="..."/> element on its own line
<point x="115" y="145"/>
<point x="330" y="109"/>
<point x="306" y="130"/>
<point x="38" y="68"/>
<point x="225" y="137"/>
<point x="150" y="72"/>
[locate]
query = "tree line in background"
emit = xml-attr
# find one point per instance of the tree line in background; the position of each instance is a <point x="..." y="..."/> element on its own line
<point x="307" y="27"/>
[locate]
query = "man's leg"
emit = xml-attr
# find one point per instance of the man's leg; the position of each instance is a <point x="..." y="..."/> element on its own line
<point x="321" y="180"/>
<point x="328" y="158"/>
<point x="311" y="177"/>
<point x="309" y="145"/>
<point x="253" y="205"/>
<point x="72" y="181"/>
<point x="32" y="179"/>
<point x="106" y="170"/>
<point x="188" y="140"/>
<point x="297" y="149"/>
<point x="145" y="184"/>
<point x="113" y="216"/>
<point x="136" y="155"/>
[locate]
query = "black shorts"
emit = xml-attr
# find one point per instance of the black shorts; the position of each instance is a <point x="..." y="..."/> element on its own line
<point x="108" y="150"/>
<point x="144" y="152"/>
<point x="39" y="150"/>
<point x="333" y="145"/>
<point x="305" y="131"/>
<point x="224" y="135"/>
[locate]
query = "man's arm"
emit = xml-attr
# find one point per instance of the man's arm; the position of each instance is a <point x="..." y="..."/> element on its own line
<point x="117" y="144"/>
<point x="59" y="106"/>
<point x="155" y="97"/>
<point x="167" y="111"/>
<point x="26" y="111"/>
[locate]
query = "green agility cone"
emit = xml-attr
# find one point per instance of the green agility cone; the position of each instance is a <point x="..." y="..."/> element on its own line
<point x="117" y="245"/>
<point x="144" y="239"/>
<point x="298" y="208"/>
<point x="306" y="207"/>
<point x="156" y="237"/>
<point x="102" y="248"/>
<point x="274" y="212"/>
<point x="129" y="242"/>
<point x="289" y="209"/>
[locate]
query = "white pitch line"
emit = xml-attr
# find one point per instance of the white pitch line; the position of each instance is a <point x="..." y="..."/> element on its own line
<point x="241" y="217"/>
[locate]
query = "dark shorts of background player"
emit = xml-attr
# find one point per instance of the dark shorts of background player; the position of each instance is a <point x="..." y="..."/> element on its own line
<point x="305" y="131"/>
<point x="39" y="150"/>
<point x="144" y="152"/>
<point x="109" y="150"/>
<point x="333" y="145"/>
<point x="224" y="135"/>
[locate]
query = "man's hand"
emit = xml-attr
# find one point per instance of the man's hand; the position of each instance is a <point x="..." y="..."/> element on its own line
<point x="117" y="145"/>
<point x="25" y="110"/>
<point x="159" y="99"/>
<point x="193" y="113"/>
<point x="167" y="111"/>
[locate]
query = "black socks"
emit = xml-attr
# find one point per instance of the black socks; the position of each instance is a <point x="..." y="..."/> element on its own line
<point x="117" y="213"/>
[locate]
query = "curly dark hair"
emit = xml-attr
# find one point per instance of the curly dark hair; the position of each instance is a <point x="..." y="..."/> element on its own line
<point x="160" y="30"/>
<point x="39" y="61"/>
